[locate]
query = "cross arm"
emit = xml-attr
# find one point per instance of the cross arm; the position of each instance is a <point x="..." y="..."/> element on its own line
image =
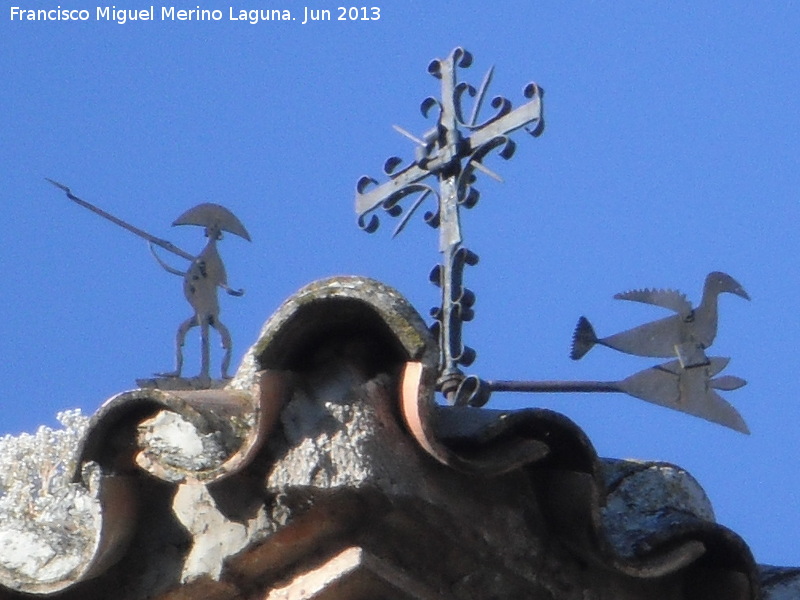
<point x="400" y="185"/>
<point x="521" y="116"/>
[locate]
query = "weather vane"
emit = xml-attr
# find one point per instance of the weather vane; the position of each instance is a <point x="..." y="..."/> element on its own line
<point x="200" y="282"/>
<point x="447" y="161"/>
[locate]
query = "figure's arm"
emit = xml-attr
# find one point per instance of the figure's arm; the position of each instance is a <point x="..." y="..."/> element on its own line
<point x="165" y="266"/>
<point x="231" y="291"/>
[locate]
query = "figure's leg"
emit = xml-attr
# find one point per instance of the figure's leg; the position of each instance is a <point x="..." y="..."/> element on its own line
<point x="227" y="344"/>
<point x="205" y="362"/>
<point x="180" y="340"/>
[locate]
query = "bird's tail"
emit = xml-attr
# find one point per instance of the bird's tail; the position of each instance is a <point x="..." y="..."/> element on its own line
<point x="583" y="339"/>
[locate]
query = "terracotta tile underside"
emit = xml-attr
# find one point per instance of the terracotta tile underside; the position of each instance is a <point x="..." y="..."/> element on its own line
<point x="353" y="574"/>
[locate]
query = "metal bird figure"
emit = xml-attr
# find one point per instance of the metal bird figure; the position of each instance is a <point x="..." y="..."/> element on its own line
<point x="691" y="391"/>
<point x="686" y="334"/>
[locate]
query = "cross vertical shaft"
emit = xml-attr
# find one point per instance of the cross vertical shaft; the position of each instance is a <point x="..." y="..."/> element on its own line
<point x="449" y="235"/>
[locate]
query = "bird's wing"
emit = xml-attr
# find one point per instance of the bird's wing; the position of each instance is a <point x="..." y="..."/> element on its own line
<point x="687" y="390"/>
<point x="671" y="299"/>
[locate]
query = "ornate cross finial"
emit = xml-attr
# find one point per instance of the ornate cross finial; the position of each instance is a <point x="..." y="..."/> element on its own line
<point x="452" y="152"/>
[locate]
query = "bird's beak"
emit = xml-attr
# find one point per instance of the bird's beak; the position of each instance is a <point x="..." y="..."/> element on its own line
<point x="739" y="291"/>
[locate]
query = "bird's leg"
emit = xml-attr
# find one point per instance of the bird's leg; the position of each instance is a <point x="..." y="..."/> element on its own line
<point x="180" y="340"/>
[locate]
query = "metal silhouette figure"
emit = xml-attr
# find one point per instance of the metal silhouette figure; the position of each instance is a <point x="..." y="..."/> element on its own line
<point x="205" y="274"/>
<point x="689" y="390"/>
<point x="200" y="282"/>
<point x="685" y="335"/>
<point x="688" y="384"/>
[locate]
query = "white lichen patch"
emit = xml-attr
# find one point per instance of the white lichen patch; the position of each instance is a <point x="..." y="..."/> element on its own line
<point x="341" y="433"/>
<point x="46" y="521"/>
<point x="178" y="443"/>
<point x="215" y="537"/>
<point x="36" y="467"/>
<point x="38" y="555"/>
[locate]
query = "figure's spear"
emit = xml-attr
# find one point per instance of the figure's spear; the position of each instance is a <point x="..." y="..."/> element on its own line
<point x="166" y="245"/>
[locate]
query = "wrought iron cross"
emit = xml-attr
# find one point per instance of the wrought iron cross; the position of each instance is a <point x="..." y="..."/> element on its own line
<point x="451" y="153"/>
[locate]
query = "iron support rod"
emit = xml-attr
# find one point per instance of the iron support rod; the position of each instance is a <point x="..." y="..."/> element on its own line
<point x="554" y="386"/>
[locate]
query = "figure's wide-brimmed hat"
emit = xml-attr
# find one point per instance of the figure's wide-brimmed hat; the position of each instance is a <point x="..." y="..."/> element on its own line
<point x="209" y="214"/>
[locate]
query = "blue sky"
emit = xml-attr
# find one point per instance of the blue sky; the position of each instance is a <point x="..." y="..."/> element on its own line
<point x="671" y="150"/>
